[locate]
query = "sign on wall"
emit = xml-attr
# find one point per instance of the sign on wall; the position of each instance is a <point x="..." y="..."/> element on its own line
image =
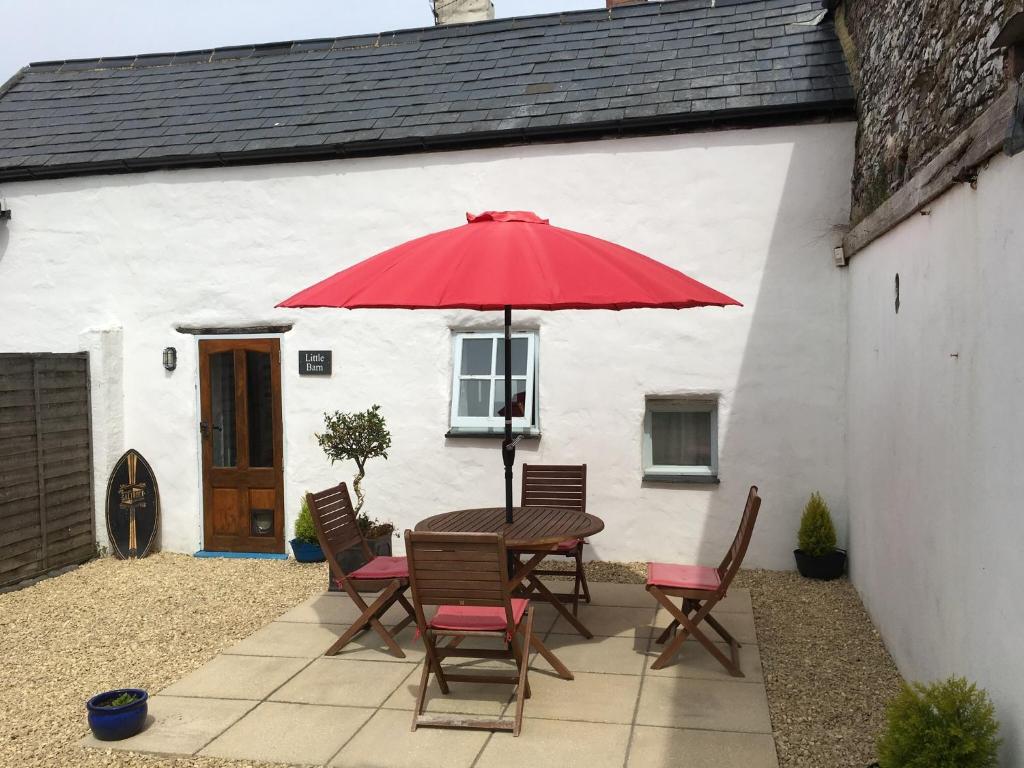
<point x="315" y="362"/>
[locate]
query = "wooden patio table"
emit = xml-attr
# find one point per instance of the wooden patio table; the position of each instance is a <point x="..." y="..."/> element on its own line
<point x="533" y="528"/>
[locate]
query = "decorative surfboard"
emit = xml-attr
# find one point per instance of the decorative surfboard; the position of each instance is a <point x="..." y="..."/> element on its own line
<point x="133" y="506"/>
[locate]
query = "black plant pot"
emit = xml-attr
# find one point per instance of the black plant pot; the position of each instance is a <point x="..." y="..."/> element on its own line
<point x="353" y="558"/>
<point x="824" y="567"/>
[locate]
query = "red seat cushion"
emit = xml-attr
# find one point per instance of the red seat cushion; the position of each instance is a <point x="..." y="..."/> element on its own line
<point x="383" y="568"/>
<point x="569" y="545"/>
<point x="474" y="618"/>
<point x="683" y="576"/>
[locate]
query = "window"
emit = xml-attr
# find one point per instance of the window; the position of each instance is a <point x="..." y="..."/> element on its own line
<point x="478" y="389"/>
<point x="681" y="440"/>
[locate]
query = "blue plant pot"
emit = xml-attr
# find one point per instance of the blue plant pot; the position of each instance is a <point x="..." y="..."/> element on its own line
<point x="116" y="723"/>
<point x="305" y="552"/>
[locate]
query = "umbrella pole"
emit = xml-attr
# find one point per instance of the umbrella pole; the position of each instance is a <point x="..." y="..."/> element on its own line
<point x="508" y="449"/>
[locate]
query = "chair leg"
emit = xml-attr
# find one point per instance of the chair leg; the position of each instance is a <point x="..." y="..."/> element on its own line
<point x="523" y="660"/>
<point x="369" y="616"/>
<point x="689" y="627"/>
<point x="554" y="661"/>
<point x="577" y="581"/>
<point x="583" y="573"/>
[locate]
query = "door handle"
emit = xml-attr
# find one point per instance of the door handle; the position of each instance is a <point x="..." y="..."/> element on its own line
<point x="204" y="428"/>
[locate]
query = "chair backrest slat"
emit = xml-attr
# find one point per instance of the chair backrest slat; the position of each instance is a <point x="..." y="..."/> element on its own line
<point x="738" y="550"/>
<point x="555" y="485"/>
<point x="335" y="522"/>
<point x="457" y="569"/>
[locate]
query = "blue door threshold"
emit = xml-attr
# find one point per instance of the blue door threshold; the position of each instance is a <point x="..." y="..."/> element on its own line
<point x="247" y="555"/>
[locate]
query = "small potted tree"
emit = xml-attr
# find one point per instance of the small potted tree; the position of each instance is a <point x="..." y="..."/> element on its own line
<point x="947" y="724"/>
<point x="305" y="545"/>
<point x="817" y="556"/>
<point x="359" y="437"/>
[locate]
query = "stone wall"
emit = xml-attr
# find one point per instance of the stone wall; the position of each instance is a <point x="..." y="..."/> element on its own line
<point x="923" y="71"/>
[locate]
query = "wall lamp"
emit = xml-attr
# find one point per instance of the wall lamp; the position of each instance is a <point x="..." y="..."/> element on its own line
<point x="5" y="212"/>
<point x="170" y="358"/>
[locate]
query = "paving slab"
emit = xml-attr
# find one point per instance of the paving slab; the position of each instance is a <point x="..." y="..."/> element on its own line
<point x="610" y="655"/>
<point x="693" y="660"/>
<point x="611" y="621"/>
<point x="464" y="698"/>
<point x="334" y="608"/>
<point x="344" y="682"/>
<point x="277" y="732"/>
<point x="179" y="726"/>
<point x="288" y="639"/>
<point x="715" y="705"/>
<point x="589" y="697"/>
<point x="562" y="743"/>
<point x="656" y="747"/>
<point x="387" y="741"/>
<point x="739" y="625"/>
<point x="237" y="677"/>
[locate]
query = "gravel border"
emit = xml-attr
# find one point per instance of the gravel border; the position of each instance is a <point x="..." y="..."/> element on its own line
<point x="148" y="623"/>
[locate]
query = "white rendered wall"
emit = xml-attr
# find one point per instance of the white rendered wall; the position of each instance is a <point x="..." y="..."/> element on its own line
<point x="752" y="213"/>
<point x="936" y="440"/>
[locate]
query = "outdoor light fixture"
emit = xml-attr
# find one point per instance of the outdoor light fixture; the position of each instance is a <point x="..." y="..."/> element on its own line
<point x="5" y="212"/>
<point x="170" y="358"/>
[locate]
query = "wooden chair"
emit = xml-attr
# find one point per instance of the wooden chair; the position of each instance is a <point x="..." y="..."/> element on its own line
<point x="550" y="485"/>
<point x="465" y="576"/>
<point x="700" y="588"/>
<point x="337" y="530"/>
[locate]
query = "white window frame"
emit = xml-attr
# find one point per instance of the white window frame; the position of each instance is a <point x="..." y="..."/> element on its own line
<point x="680" y="405"/>
<point x="488" y="423"/>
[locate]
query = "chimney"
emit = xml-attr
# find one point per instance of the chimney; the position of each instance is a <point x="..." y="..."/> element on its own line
<point x="616" y="3"/>
<point x="462" y="11"/>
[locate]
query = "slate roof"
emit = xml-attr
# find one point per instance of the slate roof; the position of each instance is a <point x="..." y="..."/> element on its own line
<point x="654" y="66"/>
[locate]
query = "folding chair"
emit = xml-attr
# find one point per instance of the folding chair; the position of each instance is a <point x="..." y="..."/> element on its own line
<point x="700" y="588"/>
<point x="337" y="530"/>
<point x="550" y="485"/>
<point x="465" y="576"/>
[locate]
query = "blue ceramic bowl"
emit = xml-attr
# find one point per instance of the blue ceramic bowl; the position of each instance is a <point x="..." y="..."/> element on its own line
<point x="116" y="723"/>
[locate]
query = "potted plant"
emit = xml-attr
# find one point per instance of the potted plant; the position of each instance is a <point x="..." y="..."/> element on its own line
<point x="948" y="724"/>
<point x="359" y="437"/>
<point x="117" y="714"/>
<point x="305" y="545"/>
<point x="817" y="556"/>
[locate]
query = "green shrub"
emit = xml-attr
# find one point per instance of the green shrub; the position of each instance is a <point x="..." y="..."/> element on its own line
<point x="817" y="535"/>
<point x="304" y="530"/>
<point x="948" y="724"/>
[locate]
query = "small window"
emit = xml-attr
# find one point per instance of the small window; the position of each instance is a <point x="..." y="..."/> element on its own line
<point x="478" y="387"/>
<point x="681" y="440"/>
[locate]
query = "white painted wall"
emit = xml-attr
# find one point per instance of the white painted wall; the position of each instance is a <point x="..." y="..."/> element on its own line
<point x="752" y="213"/>
<point x="936" y="440"/>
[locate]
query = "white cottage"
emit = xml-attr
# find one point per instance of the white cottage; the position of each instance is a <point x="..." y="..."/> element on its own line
<point x="161" y="205"/>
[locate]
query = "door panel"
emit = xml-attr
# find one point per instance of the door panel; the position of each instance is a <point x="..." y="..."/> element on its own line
<point x="240" y="404"/>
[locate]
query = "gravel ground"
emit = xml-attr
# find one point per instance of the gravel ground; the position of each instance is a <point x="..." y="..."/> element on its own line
<point x="826" y="670"/>
<point x="112" y="623"/>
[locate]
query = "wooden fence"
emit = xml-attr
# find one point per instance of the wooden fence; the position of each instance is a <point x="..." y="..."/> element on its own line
<point x="46" y="497"/>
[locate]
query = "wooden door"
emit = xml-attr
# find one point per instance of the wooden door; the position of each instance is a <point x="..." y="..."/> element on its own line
<point x="240" y="412"/>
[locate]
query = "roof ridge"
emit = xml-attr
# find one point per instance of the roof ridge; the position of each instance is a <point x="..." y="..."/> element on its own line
<point x="357" y="41"/>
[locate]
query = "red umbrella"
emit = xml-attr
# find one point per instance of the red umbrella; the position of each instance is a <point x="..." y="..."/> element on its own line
<point x="505" y="260"/>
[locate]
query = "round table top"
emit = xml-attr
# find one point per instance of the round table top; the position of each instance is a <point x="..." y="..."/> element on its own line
<point x="531" y="527"/>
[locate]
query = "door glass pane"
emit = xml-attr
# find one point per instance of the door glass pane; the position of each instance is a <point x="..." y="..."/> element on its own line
<point x="476" y="356"/>
<point x="260" y="397"/>
<point x="222" y="406"/>
<point x="681" y="438"/>
<point x="474" y="396"/>
<point x="520" y="347"/>
<point x="518" y="397"/>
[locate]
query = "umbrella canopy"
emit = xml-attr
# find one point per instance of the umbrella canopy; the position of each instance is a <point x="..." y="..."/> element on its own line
<point x="509" y="259"/>
<point x="504" y="260"/>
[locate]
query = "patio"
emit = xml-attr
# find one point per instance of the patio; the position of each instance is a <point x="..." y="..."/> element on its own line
<point x="273" y="697"/>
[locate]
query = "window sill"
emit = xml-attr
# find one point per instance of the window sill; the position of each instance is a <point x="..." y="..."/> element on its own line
<point x="496" y="434"/>
<point x="683" y="479"/>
